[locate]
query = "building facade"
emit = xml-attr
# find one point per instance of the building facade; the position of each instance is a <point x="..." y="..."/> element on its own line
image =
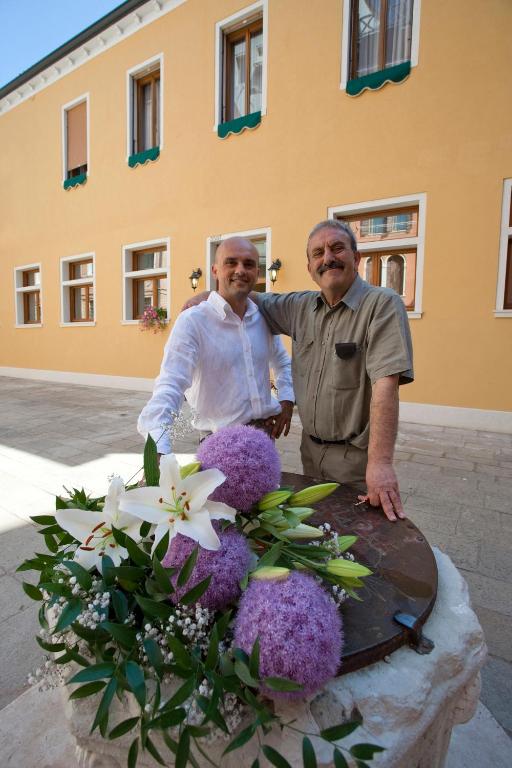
<point x="129" y="153"/>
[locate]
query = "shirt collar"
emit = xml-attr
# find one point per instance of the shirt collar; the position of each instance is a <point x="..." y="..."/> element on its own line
<point x="223" y="309"/>
<point x="351" y="299"/>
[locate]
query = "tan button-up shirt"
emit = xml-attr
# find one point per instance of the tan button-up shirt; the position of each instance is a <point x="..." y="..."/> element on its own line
<point x="340" y="352"/>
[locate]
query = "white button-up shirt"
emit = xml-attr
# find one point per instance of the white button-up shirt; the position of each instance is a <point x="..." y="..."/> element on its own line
<point x="220" y="363"/>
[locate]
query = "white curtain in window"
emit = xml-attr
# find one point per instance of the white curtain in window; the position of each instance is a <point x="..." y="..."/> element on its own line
<point x="147" y="107"/>
<point x="368" y="37"/>
<point x="238" y="80"/>
<point x="398" y="31"/>
<point x="256" y="62"/>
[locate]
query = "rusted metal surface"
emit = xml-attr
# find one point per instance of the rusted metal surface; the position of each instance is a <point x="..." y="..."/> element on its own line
<point x="404" y="574"/>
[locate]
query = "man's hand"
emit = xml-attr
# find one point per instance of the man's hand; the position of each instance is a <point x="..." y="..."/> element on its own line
<point x="383" y="490"/>
<point x="193" y="301"/>
<point x="282" y="421"/>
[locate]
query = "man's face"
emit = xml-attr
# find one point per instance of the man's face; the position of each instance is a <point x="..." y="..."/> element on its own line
<point x="331" y="261"/>
<point x="236" y="267"/>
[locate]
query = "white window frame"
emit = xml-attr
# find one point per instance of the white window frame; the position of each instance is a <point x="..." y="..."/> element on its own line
<point x="64" y="110"/>
<point x="346" y="39"/>
<point x="133" y="74"/>
<point x="66" y="284"/>
<point x="20" y="289"/>
<point x="505" y="234"/>
<point x="229" y="24"/>
<point x="388" y="204"/>
<point x="213" y="242"/>
<point x="129" y="275"/>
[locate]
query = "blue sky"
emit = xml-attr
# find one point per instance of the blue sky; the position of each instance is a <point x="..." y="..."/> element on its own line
<point x="30" y="29"/>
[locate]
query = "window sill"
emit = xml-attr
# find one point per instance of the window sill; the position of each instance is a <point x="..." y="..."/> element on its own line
<point x="78" y="324"/>
<point x="503" y="313"/>
<point x="29" y="325"/>
<point x="377" y="79"/>
<point x="414" y="315"/>
<point x="239" y="124"/>
<point x="141" y="158"/>
<point x="75" y="181"/>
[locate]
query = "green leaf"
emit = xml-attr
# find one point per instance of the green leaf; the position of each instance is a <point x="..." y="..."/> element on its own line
<point x="95" y="672"/>
<point x="51" y="543"/>
<point x="153" y="607"/>
<point x="242" y="672"/>
<point x="163" y="546"/>
<point x="68" y="615"/>
<point x="308" y="753"/>
<point x="144" y="529"/>
<point x="128" y="572"/>
<point x="43" y="519"/>
<point x="181" y="655"/>
<point x="193" y="595"/>
<point x="182" y="694"/>
<point x="83" y="577"/>
<point x="213" y="650"/>
<point x="255" y="764"/>
<point x="169" y="719"/>
<point x="104" y="706"/>
<point x="123" y="727"/>
<point x="151" y="468"/>
<point x="154" y="655"/>
<point x="138" y="556"/>
<point x="188" y="567"/>
<point x="87" y="690"/>
<point x="339" y="760"/>
<point x="242" y="738"/>
<point x="120" y="604"/>
<point x="107" y="567"/>
<point x="345" y="542"/>
<point x="51" y="647"/>
<point x="222" y="624"/>
<point x="153" y="751"/>
<point x="274" y="757"/>
<point x="241" y="655"/>
<point x="135" y="677"/>
<point x="254" y="660"/>
<point x="125" y="635"/>
<point x="163" y="576"/>
<point x="272" y="555"/>
<point x="32" y="591"/>
<point x="365" y="751"/>
<point x="337" y="732"/>
<point x="133" y="753"/>
<point x="281" y="684"/>
<point x="183" y="750"/>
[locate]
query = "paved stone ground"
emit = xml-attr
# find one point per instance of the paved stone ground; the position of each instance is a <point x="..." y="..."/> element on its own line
<point x="456" y="484"/>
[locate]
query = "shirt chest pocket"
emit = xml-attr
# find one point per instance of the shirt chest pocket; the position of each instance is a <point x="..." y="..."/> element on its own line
<point x="302" y="357"/>
<point x="347" y="363"/>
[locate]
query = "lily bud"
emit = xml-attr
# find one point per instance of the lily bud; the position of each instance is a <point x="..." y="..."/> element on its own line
<point x="342" y="567"/>
<point x="345" y="542"/>
<point x="302" y="531"/>
<point x="301" y="512"/>
<point x="312" y="494"/>
<point x="273" y="499"/>
<point x="270" y="572"/>
<point x="190" y="469"/>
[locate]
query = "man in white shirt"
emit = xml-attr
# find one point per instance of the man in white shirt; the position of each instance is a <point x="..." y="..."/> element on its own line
<point x="218" y="355"/>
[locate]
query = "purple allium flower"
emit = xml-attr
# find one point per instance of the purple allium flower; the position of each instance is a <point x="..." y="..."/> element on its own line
<point x="249" y="459"/>
<point x="299" y="628"/>
<point x="228" y="566"/>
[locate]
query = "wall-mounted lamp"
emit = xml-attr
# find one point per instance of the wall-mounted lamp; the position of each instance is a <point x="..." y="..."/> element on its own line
<point x="274" y="269"/>
<point x="194" y="277"/>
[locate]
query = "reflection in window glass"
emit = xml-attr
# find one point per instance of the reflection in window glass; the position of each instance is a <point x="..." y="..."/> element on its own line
<point x="238" y="80"/>
<point x="256" y="62"/>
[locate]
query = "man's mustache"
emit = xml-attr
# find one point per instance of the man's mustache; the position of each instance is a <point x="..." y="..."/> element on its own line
<point x="330" y="265"/>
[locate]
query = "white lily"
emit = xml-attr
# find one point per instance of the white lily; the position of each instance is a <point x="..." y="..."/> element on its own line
<point x="180" y="505"/>
<point x="94" y="529"/>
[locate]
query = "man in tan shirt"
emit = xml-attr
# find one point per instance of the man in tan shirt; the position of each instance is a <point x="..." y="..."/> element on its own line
<point x="351" y="349"/>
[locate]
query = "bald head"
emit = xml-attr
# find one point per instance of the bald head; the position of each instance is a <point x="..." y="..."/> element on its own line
<point x="235" y="245"/>
<point x="236" y="269"/>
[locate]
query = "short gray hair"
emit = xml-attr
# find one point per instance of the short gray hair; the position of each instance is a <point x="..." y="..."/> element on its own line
<point x="342" y="226"/>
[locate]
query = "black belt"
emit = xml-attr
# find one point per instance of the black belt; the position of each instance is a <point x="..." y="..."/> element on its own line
<point x="318" y="441"/>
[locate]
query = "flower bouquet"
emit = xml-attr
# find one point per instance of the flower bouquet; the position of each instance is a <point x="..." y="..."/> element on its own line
<point x="153" y="319"/>
<point x="198" y="603"/>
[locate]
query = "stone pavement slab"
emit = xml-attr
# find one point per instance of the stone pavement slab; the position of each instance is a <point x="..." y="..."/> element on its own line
<point x="53" y="435"/>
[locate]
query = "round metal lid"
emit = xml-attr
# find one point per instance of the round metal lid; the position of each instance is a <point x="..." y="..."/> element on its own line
<point x="404" y="579"/>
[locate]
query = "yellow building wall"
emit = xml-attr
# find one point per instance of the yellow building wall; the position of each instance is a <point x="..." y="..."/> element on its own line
<point x="445" y="131"/>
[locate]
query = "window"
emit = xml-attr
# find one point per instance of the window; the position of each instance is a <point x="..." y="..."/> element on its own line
<point x="145" y="111"/>
<point x="379" y="36"/>
<point x="75" y="142"/>
<point x="504" y="291"/>
<point x="261" y="238"/>
<point x="241" y="69"/>
<point x="390" y="236"/>
<point x="77" y="290"/>
<point x="146" y="278"/>
<point x="27" y="286"/>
